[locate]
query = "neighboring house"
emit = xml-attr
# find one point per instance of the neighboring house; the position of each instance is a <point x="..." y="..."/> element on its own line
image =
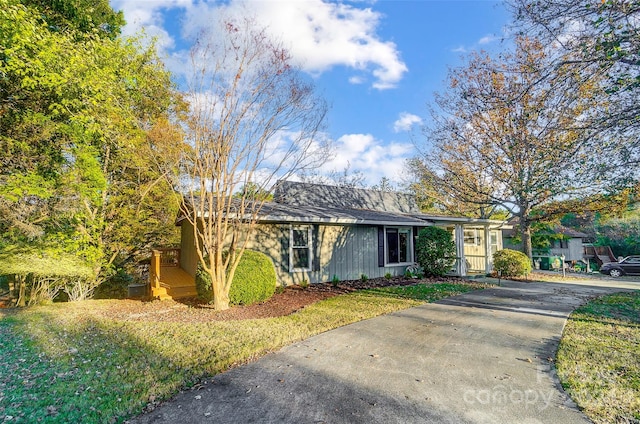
<point x="569" y="243"/>
<point x="316" y="233"/>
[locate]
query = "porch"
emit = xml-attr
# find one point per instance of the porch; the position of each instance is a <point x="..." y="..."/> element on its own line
<point x="475" y="245"/>
<point x="167" y="279"/>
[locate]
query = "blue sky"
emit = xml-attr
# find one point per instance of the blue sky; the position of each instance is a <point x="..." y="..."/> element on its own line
<point x="377" y="63"/>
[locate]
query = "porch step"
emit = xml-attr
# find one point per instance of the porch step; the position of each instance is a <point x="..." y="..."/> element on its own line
<point x="182" y="291"/>
<point x="160" y="293"/>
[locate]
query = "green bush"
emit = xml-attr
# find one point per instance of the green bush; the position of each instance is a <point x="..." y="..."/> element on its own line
<point x="511" y="263"/>
<point x="254" y="280"/>
<point x="335" y="281"/>
<point x="115" y="287"/>
<point x="435" y="251"/>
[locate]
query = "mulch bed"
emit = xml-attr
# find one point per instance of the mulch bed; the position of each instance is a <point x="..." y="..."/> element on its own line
<point x="282" y="303"/>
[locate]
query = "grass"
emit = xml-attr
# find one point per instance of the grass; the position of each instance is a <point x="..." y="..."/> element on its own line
<point x="598" y="360"/>
<point x="68" y="363"/>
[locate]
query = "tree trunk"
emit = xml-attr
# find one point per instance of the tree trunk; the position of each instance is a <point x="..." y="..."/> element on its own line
<point x="220" y="297"/>
<point x="22" y="288"/>
<point x="525" y="229"/>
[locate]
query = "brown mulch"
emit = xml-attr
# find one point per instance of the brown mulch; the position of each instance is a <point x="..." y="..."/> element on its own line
<point x="283" y="302"/>
<point x="192" y="310"/>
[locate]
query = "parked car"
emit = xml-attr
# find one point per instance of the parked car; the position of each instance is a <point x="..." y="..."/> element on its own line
<point x="628" y="266"/>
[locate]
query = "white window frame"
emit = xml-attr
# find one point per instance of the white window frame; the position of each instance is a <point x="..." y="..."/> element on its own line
<point x="309" y="246"/>
<point x="409" y="246"/>
<point x="476" y="237"/>
<point x="494" y="247"/>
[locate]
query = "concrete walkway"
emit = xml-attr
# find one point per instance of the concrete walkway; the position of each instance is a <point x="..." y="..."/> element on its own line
<point x="483" y="357"/>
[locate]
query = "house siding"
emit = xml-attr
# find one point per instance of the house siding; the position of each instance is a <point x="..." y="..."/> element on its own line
<point x="188" y="254"/>
<point x="347" y="252"/>
<point x="573" y="252"/>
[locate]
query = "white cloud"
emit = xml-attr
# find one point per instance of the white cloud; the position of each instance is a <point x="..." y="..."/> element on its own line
<point x="487" y="39"/>
<point x="482" y="41"/>
<point x="363" y="153"/>
<point x="406" y="121"/>
<point x="320" y="34"/>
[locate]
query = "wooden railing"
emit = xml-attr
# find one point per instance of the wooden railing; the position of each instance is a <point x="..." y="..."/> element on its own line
<point x="162" y="258"/>
<point x="601" y="254"/>
<point x="169" y="257"/>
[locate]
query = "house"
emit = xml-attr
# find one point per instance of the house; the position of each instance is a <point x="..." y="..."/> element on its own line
<point x="316" y="233"/>
<point x="563" y="241"/>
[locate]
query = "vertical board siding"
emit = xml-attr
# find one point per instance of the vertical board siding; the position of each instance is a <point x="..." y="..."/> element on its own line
<point x="188" y="254"/>
<point x="345" y="251"/>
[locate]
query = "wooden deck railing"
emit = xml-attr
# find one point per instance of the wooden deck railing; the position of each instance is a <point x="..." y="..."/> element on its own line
<point x="601" y="254"/>
<point x="162" y="258"/>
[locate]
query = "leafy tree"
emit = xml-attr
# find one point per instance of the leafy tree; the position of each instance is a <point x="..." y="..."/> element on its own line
<point x="253" y="191"/>
<point x="84" y="16"/>
<point x="622" y="235"/>
<point x="80" y="121"/>
<point x="435" y="197"/>
<point x="509" y="133"/>
<point x="253" y="119"/>
<point x="435" y="251"/>
<point x="598" y="39"/>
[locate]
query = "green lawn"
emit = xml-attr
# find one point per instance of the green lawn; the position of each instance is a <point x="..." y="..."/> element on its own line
<point x="598" y="360"/>
<point x="68" y="363"/>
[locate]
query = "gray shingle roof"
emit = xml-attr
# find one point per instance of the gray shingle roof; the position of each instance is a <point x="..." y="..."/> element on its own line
<point x="306" y="194"/>
<point x="323" y="204"/>
<point x="278" y="212"/>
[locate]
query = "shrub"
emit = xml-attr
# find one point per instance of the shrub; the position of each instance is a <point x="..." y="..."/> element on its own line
<point x="363" y="277"/>
<point x="335" y="281"/>
<point x="203" y="285"/>
<point x="511" y="263"/>
<point x="435" y="251"/>
<point x="254" y="280"/>
<point x="388" y="276"/>
<point x="115" y="287"/>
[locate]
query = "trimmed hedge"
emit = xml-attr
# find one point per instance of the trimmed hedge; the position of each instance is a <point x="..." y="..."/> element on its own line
<point x="254" y="280"/>
<point x="435" y="251"/>
<point x="511" y="263"/>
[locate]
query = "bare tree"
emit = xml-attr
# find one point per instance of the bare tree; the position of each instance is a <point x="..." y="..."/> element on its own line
<point x="345" y="178"/>
<point x="515" y="133"/>
<point x="254" y="120"/>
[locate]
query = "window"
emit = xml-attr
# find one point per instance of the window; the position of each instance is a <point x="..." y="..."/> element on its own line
<point x="399" y="246"/>
<point x="471" y="237"/>
<point x="562" y="244"/>
<point x="300" y="251"/>
<point x="493" y="241"/>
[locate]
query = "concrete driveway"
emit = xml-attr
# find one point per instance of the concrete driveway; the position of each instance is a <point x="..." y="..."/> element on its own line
<point x="483" y="357"/>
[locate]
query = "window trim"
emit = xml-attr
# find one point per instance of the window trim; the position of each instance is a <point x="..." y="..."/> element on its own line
<point x="476" y="237"/>
<point x="309" y="247"/>
<point x="410" y="258"/>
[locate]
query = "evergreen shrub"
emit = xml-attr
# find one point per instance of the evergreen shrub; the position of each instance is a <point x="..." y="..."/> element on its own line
<point x="511" y="263"/>
<point x="435" y="251"/>
<point x="254" y="280"/>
